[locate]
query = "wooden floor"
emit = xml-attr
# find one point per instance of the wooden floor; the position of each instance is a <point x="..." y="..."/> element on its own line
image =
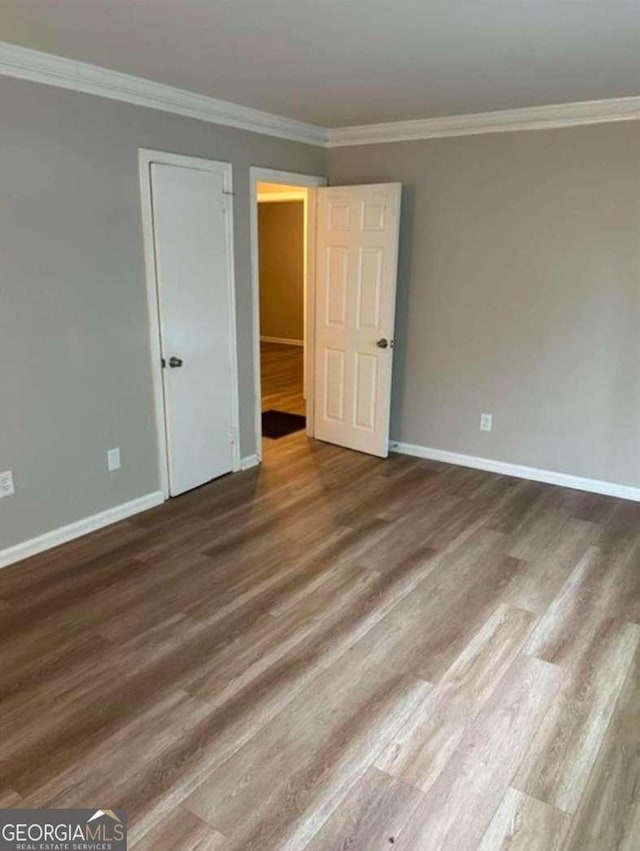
<point x="282" y="377"/>
<point x="336" y="652"/>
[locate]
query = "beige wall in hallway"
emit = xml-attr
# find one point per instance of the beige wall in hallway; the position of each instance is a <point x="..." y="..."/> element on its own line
<point x="519" y="294"/>
<point x="281" y="248"/>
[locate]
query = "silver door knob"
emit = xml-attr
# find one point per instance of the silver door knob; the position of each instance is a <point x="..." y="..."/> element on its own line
<point x="174" y="362"/>
<point x="383" y="343"/>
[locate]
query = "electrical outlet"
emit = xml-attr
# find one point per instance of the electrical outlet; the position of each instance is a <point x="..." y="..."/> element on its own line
<point x="6" y="484"/>
<point x="113" y="460"/>
<point x="486" y="422"/>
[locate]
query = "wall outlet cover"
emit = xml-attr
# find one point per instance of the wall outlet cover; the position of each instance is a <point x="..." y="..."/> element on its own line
<point x="113" y="460"/>
<point x="6" y="484"/>
<point x="486" y="422"/>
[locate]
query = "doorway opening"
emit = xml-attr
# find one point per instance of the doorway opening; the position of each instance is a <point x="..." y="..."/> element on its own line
<point x="283" y="211"/>
<point x="281" y="273"/>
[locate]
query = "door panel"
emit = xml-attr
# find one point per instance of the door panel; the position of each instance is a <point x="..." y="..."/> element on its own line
<point x="334" y="386"/>
<point x="336" y="312"/>
<point x="357" y="258"/>
<point x="195" y="322"/>
<point x="369" y="287"/>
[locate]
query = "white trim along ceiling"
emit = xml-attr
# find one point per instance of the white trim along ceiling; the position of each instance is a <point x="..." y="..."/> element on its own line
<point x="27" y="64"/>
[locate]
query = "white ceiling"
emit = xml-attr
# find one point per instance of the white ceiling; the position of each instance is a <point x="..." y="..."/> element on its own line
<point x="342" y="62"/>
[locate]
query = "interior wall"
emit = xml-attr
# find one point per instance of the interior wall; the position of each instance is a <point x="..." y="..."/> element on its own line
<point x="281" y="250"/>
<point x="74" y="339"/>
<point x="519" y="294"/>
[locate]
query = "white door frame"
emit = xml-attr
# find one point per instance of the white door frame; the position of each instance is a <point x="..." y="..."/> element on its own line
<point x="145" y="158"/>
<point x="288" y="178"/>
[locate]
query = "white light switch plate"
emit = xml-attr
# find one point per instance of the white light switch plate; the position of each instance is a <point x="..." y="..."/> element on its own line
<point x="6" y="484"/>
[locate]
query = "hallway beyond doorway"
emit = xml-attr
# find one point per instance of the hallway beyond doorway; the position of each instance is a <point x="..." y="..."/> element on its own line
<point x="282" y="377"/>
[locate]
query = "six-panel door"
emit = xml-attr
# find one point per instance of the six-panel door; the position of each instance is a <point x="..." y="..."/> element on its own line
<point x="357" y="258"/>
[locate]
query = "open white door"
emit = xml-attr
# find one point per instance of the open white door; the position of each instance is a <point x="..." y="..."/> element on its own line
<point x="357" y="263"/>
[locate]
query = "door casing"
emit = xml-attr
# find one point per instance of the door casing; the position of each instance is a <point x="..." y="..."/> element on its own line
<point x="309" y="181"/>
<point x="145" y="158"/>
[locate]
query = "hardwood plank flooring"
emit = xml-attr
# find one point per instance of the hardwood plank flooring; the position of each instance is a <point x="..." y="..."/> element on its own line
<point x="182" y="830"/>
<point x="282" y="376"/>
<point x="371" y="815"/>
<point x="522" y="823"/>
<point x="563" y="752"/>
<point x="461" y="803"/>
<point x="423" y="748"/>
<point x="609" y="812"/>
<point x="336" y="652"/>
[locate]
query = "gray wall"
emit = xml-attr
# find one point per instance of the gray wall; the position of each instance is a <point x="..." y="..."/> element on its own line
<point x="74" y="347"/>
<point x="281" y="247"/>
<point x="519" y="294"/>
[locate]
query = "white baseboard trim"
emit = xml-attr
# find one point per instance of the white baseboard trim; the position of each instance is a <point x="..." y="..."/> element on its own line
<point x="518" y="471"/>
<point x="284" y="341"/>
<point x="80" y="527"/>
<point x="249" y="461"/>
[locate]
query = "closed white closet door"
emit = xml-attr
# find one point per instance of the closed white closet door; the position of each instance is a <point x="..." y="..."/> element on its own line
<point x="357" y="261"/>
<point x="195" y="307"/>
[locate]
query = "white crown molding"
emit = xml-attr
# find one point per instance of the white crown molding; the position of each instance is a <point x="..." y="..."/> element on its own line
<point x="36" y="66"/>
<point x="508" y="120"/>
<point x="27" y="64"/>
<point x="518" y="471"/>
<point x="79" y="527"/>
